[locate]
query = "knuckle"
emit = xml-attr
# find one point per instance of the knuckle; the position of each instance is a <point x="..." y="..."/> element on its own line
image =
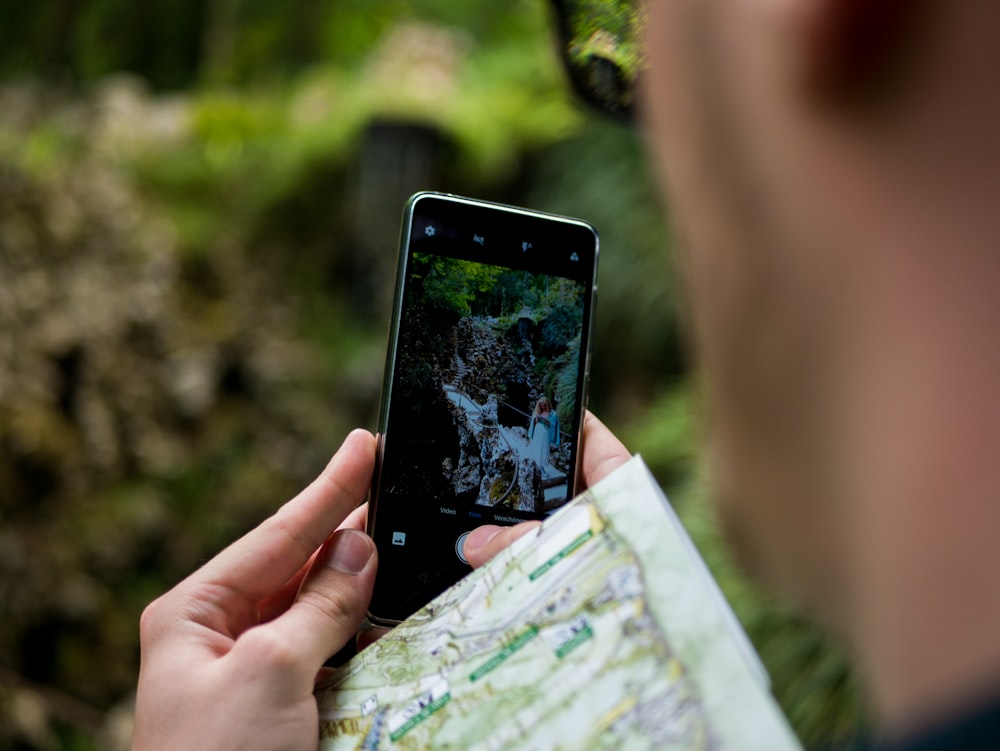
<point x="341" y="605"/>
<point x="269" y="648"/>
<point x="151" y="621"/>
<point x="334" y="603"/>
<point x="305" y="540"/>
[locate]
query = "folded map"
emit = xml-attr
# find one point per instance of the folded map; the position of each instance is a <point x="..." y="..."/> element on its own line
<point x="601" y="630"/>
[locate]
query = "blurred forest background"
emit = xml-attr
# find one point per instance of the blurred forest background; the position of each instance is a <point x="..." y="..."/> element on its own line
<point x="199" y="207"/>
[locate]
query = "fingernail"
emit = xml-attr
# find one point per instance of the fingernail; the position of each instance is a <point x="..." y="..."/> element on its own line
<point x="350" y="551"/>
<point x="480" y="537"/>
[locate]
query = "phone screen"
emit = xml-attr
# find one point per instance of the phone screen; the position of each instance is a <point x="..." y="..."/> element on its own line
<point x="485" y="390"/>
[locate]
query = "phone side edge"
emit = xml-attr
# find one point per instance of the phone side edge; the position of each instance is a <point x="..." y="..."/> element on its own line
<point x="590" y="323"/>
<point x="392" y="342"/>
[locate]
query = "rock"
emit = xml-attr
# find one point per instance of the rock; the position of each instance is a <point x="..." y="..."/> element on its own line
<point x="467" y="476"/>
<point x="529" y="486"/>
<point x="507" y="479"/>
<point x="489" y="414"/>
<point x="497" y="471"/>
<point x="496" y="365"/>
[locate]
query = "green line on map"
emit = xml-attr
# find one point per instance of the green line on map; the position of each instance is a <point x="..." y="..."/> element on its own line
<point x="424" y="713"/>
<point x="575" y="641"/>
<point x="504" y="653"/>
<point x="561" y="554"/>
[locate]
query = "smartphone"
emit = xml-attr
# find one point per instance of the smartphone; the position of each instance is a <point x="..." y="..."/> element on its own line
<point x="485" y="386"/>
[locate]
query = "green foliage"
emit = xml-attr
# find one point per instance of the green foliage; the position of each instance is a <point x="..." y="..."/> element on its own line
<point x="560" y="327"/>
<point x="608" y="29"/>
<point x="452" y="284"/>
<point x="564" y="389"/>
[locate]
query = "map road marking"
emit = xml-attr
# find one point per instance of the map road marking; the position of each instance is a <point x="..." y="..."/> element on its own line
<point x="579" y="632"/>
<point x="501" y="656"/>
<point x="560" y="555"/>
<point x="419" y="710"/>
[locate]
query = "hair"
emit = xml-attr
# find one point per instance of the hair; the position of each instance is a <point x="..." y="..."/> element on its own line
<point x="541" y="404"/>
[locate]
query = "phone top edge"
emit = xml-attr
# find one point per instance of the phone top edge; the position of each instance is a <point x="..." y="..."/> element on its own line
<point x="413" y="200"/>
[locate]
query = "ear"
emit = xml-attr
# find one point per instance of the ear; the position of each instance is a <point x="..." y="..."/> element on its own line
<point x="856" y="49"/>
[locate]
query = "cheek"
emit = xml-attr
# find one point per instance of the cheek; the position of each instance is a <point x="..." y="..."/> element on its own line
<point x="758" y="303"/>
<point x="696" y="136"/>
<point x="672" y="100"/>
<point x="712" y="98"/>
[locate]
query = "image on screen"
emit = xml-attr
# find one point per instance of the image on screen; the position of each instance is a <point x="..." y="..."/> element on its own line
<point x="487" y="383"/>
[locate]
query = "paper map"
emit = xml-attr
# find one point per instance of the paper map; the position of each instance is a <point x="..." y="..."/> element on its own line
<point x="602" y="630"/>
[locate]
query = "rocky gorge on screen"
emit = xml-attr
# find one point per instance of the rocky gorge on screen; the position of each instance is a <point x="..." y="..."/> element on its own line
<point x="482" y="346"/>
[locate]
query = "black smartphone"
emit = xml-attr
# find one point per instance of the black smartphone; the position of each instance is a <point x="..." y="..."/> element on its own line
<point x="485" y="386"/>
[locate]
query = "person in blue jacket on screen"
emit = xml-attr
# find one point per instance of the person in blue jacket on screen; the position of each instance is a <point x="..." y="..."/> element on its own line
<point x="543" y="433"/>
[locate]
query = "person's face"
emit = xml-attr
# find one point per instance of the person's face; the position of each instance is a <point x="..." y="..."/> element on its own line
<point x="737" y="152"/>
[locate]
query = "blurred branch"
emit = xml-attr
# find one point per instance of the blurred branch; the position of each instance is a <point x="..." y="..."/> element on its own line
<point x="219" y="40"/>
<point x="59" y="50"/>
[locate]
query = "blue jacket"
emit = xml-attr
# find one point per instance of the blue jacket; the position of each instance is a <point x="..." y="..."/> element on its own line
<point x="552" y="423"/>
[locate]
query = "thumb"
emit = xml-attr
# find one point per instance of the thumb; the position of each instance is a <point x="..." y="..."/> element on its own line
<point x="328" y="609"/>
<point x="486" y="541"/>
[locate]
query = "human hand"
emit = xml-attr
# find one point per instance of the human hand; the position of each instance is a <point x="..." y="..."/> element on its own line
<point x="602" y="454"/>
<point x="230" y="655"/>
